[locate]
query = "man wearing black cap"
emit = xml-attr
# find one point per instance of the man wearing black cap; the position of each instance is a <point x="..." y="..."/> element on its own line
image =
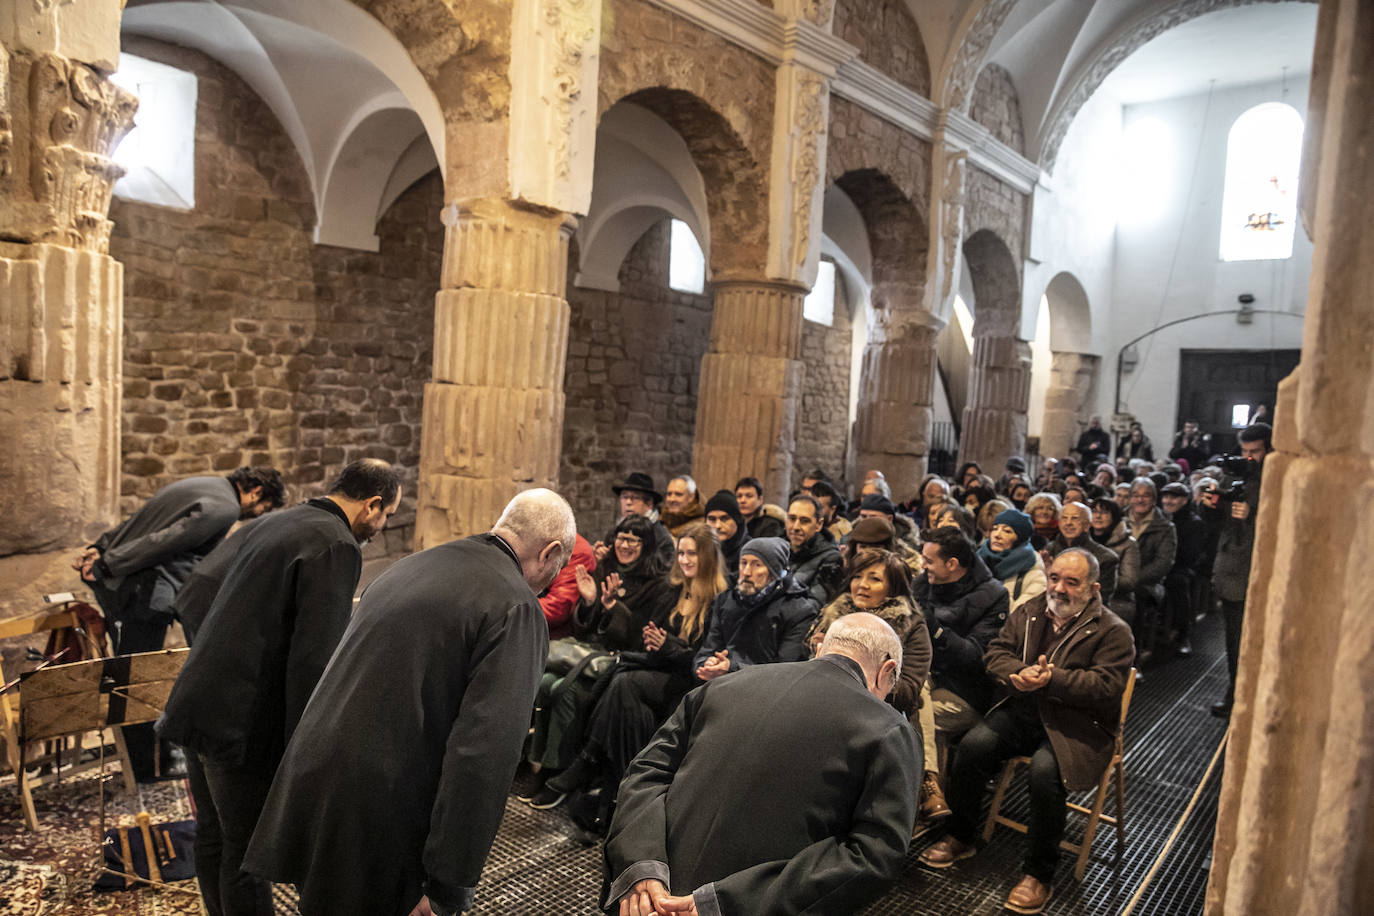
<point x="1016" y="467"/>
<point x="816" y="562"/>
<point x="637" y="496"/>
<point x="725" y="519"/>
<point x="1189" y="561"/>
<point x="763" y="619"/>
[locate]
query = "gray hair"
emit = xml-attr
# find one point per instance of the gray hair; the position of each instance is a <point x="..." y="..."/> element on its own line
<point x="535" y="517"/>
<point x="881" y="484"/>
<point x="1144" y="483"/>
<point x="867" y="636"/>
<point x="687" y="479"/>
<point x="1094" y="568"/>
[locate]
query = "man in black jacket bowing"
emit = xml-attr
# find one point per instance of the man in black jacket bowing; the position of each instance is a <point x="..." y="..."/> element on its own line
<point x="394" y="785"/>
<point x="775" y="790"/>
<point x="263" y="645"/>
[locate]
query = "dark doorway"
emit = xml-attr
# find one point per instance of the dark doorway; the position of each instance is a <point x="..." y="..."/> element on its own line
<point x="1212" y="383"/>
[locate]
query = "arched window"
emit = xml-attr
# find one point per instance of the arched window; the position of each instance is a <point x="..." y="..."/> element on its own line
<point x="159" y="154"/>
<point x="1259" y="206"/>
<point x="686" y="262"/>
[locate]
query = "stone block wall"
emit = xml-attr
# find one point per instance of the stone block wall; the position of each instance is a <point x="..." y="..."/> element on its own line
<point x="993" y="204"/>
<point x="823" y="424"/>
<point x="887" y="38"/>
<point x="996" y="106"/>
<point x="246" y="343"/>
<point x="634" y="358"/>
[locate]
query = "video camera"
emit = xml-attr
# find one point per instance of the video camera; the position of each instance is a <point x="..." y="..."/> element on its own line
<point x="1237" y="470"/>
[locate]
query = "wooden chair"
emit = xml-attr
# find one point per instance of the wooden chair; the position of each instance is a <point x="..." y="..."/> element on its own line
<point x="1115" y="772"/>
<point x="40" y="759"/>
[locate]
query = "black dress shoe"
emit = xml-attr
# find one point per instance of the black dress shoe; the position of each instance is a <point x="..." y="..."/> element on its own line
<point x="1221" y="709"/>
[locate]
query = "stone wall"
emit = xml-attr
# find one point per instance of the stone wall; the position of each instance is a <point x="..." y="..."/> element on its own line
<point x="823" y="423"/>
<point x="990" y="203"/>
<point x="996" y="106"/>
<point x="887" y="39"/>
<point x="857" y="140"/>
<point x="631" y="380"/>
<point x="245" y="343"/>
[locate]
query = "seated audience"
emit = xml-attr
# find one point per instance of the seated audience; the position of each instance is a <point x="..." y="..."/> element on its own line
<point x="1188" y="564"/>
<point x="628" y="590"/>
<point x="1135" y="445"/>
<point x="681" y="505"/>
<point x="836" y="525"/>
<point x="1019" y="492"/>
<point x="764" y="520"/>
<point x="1158" y="542"/>
<point x="955" y="517"/>
<point x="1075" y="530"/>
<point x="987" y="514"/>
<point x="1015" y="470"/>
<point x="934" y="510"/>
<point x="819" y="782"/>
<point x="934" y="490"/>
<point x="976" y="496"/>
<point x="1095" y="444"/>
<point x="1122" y="494"/>
<point x="1111" y="531"/>
<point x="869" y="534"/>
<point x="1043" y="509"/>
<point x="724" y="517"/>
<point x="1011" y="559"/>
<point x="763" y="619"/>
<point x="968" y="474"/>
<point x="815" y="560"/>
<point x="560" y="600"/>
<point x="637" y="496"/>
<point x="1061" y="662"/>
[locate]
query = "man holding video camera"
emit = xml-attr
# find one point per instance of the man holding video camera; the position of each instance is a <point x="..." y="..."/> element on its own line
<point x="1233" y="509"/>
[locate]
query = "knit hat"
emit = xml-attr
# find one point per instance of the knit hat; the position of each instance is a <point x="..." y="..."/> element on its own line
<point x="877" y="502"/>
<point x="724" y="501"/>
<point x="872" y="531"/>
<point x="1017" y="521"/>
<point x="774" y="552"/>
<point x="1016" y="464"/>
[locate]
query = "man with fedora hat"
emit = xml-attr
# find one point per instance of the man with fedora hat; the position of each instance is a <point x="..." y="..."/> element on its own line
<point x="638" y="496"/>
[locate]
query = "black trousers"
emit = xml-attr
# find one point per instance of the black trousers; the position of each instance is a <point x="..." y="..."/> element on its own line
<point x="229" y="802"/>
<point x="1003" y="734"/>
<point x="1233" y="613"/>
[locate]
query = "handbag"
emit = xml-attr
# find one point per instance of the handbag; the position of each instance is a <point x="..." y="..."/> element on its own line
<point x="565" y="653"/>
<point x="147" y="853"/>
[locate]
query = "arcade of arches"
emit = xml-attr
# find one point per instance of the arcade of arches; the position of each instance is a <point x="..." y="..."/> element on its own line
<point x="463" y="269"/>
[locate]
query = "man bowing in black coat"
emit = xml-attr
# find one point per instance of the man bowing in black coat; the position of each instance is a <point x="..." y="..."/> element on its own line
<point x="262" y="647"/>
<point x="395" y="782"/>
<point x="775" y="790"/>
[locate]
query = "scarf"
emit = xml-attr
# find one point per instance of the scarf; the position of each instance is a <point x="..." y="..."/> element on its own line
<point x="1007" y="563"/>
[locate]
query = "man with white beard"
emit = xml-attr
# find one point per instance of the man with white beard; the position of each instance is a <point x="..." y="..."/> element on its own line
<point x="1061" y="663"/>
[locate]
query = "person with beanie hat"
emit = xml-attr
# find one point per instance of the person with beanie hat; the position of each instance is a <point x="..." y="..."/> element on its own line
<point x="727" y="521"/>
<point x="764" y="618"/>
<point x="1010" y="557"/>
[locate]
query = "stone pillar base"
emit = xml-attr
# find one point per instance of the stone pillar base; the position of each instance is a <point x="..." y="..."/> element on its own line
<point x="896" y="389"/>
<point x="994" y="422"/>
<point x="1068" y="402"/>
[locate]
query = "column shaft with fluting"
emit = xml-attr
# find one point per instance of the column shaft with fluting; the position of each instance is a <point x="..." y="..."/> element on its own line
<point x="1294" y="829"/>
<point x="493" y="414"/>
<point x="894" y="416"/>
<point x="750" y="388"/>
<point x="1068" y="401"/>
<point x="994" y="424"/>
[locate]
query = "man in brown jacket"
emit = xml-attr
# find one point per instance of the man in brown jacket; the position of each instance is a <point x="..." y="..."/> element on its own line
<point x="1061" y="661"/>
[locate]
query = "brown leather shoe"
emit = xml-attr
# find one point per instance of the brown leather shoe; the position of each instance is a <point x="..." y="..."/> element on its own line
<point x="946" y="852"/>
<point x="933" y="804"/>
<point x="1029" y="896"/>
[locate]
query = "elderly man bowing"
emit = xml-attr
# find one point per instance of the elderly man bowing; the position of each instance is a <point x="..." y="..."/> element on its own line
<point x="778" y="789"/>
<point x="394" y="784"/>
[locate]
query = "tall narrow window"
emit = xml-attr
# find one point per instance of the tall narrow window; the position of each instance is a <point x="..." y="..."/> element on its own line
<point x="159" y="154"/>
<point x="1260" y="203"/>
<point x="819" y="304"/>
<point x="686" y="263"/>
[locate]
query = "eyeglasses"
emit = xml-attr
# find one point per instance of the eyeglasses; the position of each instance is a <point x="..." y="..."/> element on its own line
<point x="627" y="540"/>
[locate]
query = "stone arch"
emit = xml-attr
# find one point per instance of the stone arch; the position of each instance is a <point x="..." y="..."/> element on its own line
<point x="995" y="418"/>
<point x="1071" y="394"/>
<point x="888" y="39"/>
<point x="897" y="238"/>
<point x="1110" y="55"/>
<point x="973" y="36"/>
<point x="997" y="106"/>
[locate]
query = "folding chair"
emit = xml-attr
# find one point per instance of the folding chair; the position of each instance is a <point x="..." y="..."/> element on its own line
<point x="1115" y="772"/>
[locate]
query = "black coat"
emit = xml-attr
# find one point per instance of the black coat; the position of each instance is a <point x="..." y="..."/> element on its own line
<point x="1235" y="543"/>
<point x="396" y="781"/>
<point x="764" y="525"/>
<point x="1094" y="443"/>
<point x="818" y="566"/>
<point x="192" y="603"/>
<point x="1191" y="558"/>
<point x="267" y="638"/>
<point x="146" y="559"/>
<point x="774" y="630"/>
<point x="963" y="617"/>
<point x="1158" y="544"/>
<point x="779" y="790"/>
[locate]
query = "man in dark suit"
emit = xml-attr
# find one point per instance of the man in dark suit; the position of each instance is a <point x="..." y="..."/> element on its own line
<point x="814" y="809"/>
<point x="137" y="568"/>
<point x="265" y="641"/>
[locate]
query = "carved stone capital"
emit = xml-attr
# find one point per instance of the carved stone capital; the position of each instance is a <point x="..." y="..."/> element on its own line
<point x="818" y="12"/>
<point x="797" y="176"/>
<point x="947" y="175"/>
<point x="59" y="122"/>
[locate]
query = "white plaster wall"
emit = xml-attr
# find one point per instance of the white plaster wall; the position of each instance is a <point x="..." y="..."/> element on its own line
<point x="1169" y="267"/>
<point x="1041" y="358"/>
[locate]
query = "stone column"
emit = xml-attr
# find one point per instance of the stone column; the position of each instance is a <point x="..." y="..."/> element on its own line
<point x="61" y="295"/>
<point x="1072" y="389"/>
<point x="493" y="415"/>
<point x="896" y="393"/>
<point x="750" y="387"/>
<point x="1294" y="831"/>
<point x="994" y="424"/>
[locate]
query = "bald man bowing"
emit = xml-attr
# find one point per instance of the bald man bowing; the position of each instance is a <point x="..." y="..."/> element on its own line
<point x="395" y="781"/>
<point x="777" y="789"/>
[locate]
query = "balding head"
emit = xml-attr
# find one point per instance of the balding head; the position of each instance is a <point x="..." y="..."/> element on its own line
<point x="870" y="641"/>
<point x="538" y="524"/>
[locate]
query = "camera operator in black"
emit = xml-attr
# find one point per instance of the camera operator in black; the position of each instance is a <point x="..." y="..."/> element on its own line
<point x="1233" y="511"/>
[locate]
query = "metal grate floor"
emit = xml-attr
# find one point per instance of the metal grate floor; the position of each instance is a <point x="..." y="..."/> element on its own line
<point x="536" y="868"/>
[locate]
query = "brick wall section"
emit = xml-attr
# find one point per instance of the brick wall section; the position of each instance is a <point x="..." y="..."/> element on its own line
<point x="887" y="39"/>
<point x="631" y="380"/>
<point x="996" y="106"/>
<point x="823" y="423"/>
<point x="990" y="203"/>
<point x="245" y="343"/>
